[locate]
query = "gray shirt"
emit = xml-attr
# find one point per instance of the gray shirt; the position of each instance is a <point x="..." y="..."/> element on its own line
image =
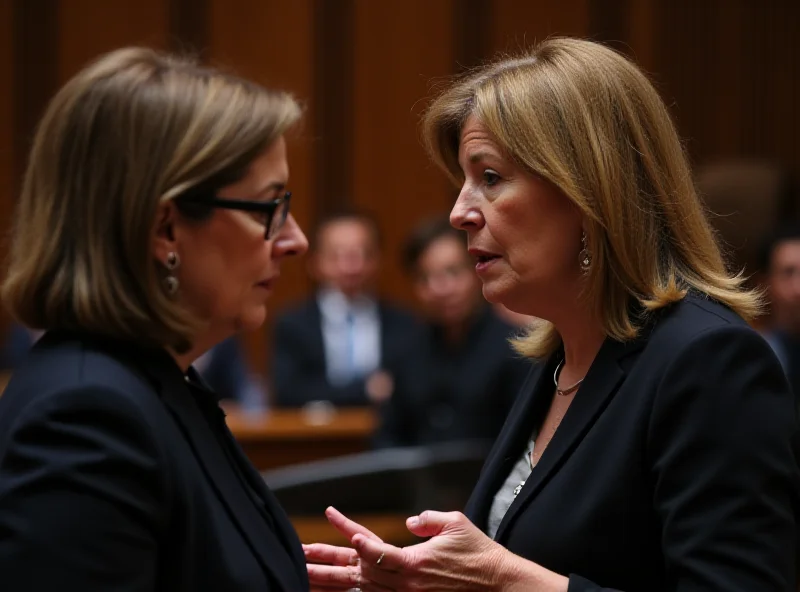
<point x="509" y="490"/>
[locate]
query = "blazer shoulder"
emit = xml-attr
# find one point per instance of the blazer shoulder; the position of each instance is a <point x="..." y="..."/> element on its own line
<point x="695" y="315"/>
<point x="64" y="370"/>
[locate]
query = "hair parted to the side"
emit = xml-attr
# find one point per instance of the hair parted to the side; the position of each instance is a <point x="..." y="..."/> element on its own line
<point x="588" y="120"/>
<point x="131" y="130"/>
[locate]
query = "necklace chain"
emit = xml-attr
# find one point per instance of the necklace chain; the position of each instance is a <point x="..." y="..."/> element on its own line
<point x="563" y="393"/>
<point x="570" y="389"/>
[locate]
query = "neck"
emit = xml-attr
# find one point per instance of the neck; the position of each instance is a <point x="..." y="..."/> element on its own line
<point x="200" y="345"/>
<point x="582" y="337"/>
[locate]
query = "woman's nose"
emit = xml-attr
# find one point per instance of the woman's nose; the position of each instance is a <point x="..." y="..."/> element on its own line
<point x="291" y="240"/>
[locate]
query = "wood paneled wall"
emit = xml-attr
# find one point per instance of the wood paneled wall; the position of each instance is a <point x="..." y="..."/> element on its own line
<point x="363" y="68"/>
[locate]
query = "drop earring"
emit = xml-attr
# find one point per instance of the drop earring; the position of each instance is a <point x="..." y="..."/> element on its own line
<point x="171" y="283"/>
<point x="585" y="256"/>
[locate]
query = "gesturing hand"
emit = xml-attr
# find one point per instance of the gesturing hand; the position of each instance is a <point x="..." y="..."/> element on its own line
<point x="336" y="568"/>
<point x="457" y="557"/>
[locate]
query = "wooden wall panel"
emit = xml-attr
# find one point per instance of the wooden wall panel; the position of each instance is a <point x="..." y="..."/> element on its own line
<point x="272" y="43"/>
<point x="397" y="55"/>
<point x="729" y="69"/>
<point x="6" y="114"/>
<point x="7" y="164"/>
<point x="518" y="24"/>
<point x="89" y="28"/>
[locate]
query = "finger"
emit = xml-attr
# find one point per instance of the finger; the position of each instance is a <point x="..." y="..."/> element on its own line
<point x="348" y="527"/>
<point x="386" y="558"/>
<point x="329" y="554"/>
<point x="327" y="576"/>
<point x="431" y="523"/>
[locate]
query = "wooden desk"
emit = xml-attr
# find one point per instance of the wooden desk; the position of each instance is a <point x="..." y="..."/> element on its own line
<point x="283" y="437"/>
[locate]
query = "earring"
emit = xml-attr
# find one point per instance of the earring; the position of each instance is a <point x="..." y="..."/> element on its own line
<point x="171" y="283"/>
<point x="585" y="256"/>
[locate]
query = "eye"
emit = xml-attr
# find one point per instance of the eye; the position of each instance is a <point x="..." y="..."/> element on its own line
<point x="491" y="177"/>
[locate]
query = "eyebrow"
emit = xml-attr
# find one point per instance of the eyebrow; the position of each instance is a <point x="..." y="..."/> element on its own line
<point x="274" y="186"/>
<point x="480" y="155"/>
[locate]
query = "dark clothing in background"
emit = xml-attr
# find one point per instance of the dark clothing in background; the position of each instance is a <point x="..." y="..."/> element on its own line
<point x="445" y="392"/>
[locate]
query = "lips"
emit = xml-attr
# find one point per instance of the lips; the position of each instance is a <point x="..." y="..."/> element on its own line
<point x="267" y="283"/>
<point x="482" y="256"/>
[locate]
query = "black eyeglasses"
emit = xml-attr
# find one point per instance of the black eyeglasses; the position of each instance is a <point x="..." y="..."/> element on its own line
<point x="274" y="212"/>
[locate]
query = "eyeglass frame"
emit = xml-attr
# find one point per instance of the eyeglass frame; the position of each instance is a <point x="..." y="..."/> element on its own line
<point x="246" y="205"/>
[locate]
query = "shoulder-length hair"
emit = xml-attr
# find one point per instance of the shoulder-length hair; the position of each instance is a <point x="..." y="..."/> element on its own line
<point x="130" y="131"/>
<point x="588" y="120"/>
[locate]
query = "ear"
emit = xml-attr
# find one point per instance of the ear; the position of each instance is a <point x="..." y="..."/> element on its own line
<point x="164" y="231"/>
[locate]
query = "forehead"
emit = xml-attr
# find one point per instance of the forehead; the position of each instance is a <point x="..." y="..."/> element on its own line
<point x="345" y="232"/>
<point x="787" y="253"/>
<point x="271" y="165"/>
<point x="475" y="139"/>
<point x="445" y="250"/>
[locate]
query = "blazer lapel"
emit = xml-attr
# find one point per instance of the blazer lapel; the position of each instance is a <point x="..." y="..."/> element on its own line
<point x="273" y="507"/>
<point x="530" y="408"/>
<point x="221" y="475"/>
<point x="594" y="395"/>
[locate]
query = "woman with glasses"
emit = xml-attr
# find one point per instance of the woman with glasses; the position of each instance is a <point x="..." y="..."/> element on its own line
<point x="152" y="225"/>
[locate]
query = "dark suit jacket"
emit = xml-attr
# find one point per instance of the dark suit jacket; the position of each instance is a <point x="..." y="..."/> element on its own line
<point x="299" y="368"/>
<point x="674" y="469"/>
<point x="16" y="345"/>
<point x="447" y="393"/>
<point x="117" y="474"/>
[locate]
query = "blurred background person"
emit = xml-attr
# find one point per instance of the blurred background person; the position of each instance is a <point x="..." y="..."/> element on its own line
<point x="151" y="227"/>
<point x="342" y="344"/>
<point x="461" y="379"/>
<point x="780" y="264"/>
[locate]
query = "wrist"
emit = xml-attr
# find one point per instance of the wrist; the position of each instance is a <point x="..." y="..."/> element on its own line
<point x="512" y="573"/>
<point x="502" y="569"/>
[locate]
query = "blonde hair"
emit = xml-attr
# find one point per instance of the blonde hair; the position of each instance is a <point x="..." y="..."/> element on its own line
<point x="132" y="130"/>
<point x="589" y="121"/>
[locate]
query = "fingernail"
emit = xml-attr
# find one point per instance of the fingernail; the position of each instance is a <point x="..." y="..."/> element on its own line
<point x="413" y="522"/>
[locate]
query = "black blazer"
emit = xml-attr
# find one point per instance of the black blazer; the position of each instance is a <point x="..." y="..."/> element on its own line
<point x="674" y="469"/>
<point x="445" y="394"/>
<point x="299" y="368"/>
<point x="118" y="474"/>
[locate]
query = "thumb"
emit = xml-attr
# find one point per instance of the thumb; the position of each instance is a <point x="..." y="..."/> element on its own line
<point x="431" y="523"/>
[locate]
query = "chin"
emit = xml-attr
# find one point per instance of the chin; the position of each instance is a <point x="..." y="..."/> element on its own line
<point x="252" y="318"/>
<point x="493" y="294"/>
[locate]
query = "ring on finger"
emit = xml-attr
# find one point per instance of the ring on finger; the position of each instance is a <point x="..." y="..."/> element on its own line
<point x="378" y="562"/>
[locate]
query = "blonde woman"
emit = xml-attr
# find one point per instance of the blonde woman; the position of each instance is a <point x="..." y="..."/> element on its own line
<point x="152" y="225"/>
<point x="655" y="448"/>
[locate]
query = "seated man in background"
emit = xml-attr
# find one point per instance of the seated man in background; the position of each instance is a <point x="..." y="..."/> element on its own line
<point x="223" y="367"/>
<point x="780" y="262"/>
<point x="461" y="381"/>
<point x="226" y="371"/>
<point x="342" y="344"/>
